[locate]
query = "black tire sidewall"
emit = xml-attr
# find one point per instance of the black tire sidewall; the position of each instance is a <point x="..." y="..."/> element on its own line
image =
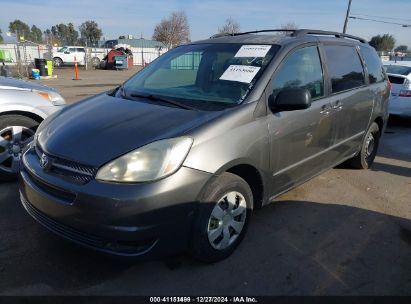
<point x="200" y="247"/>
<point x="366" y="162"/>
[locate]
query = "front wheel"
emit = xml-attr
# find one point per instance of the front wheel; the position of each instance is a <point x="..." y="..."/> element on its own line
<point x="365" y="158"/>
<point x="222" y="218"/>
<point x="16" y="132"/>
<point x="57" y="62"/>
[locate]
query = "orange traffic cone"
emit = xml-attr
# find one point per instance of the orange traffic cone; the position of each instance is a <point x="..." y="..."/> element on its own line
<point x="75" y="70"/>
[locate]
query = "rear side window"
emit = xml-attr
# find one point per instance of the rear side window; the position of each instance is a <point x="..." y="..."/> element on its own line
<point x="80" y="50"/>
<point x="373" y="63"/>
<point x="345" y="68"/>
<point x="302" y="69"/>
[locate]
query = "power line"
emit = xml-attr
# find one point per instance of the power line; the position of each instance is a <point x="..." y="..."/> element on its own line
<point x="380" y="21"/>
<point x="382" y="17"/>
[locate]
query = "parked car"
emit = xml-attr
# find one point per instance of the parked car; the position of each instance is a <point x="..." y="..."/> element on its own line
<point x="178" y="156"/>
<point x="399" y="74"/>
<point x="23" y="106"/>
<point x="68" y="55"/>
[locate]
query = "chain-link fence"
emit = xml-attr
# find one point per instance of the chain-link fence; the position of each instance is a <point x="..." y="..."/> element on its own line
<point x="20" y="56"/>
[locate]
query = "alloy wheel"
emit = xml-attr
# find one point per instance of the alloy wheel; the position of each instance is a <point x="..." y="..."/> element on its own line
<point x="13" y="140"/>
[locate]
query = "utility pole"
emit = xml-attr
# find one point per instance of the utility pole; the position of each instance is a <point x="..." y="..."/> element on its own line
<point x="347" y="16"/>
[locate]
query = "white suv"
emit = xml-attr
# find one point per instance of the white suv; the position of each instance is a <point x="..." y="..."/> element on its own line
<point x="69" y="55"/>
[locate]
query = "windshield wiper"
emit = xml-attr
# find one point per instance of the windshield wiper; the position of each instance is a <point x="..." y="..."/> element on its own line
<point x="163" y="99"/>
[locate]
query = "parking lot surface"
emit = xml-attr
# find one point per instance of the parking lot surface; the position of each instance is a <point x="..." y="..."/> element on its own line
<point x="345" y="232"/>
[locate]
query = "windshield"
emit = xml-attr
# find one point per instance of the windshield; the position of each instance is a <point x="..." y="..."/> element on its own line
<point x="63" y="49"/>
<point x="398" y="69"/>
<point x="203" y="75"/>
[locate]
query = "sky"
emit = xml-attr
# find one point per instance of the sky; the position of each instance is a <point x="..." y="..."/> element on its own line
<point x="138" y="17"/>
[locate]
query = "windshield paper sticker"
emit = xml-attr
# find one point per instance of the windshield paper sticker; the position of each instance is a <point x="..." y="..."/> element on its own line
<point x="241" y="73"/>
<point x="253" y="51"/>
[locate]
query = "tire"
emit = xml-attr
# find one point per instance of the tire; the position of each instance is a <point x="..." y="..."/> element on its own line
<point x="365" y="157"/>
<point x="209" y="235"/>
<point x="95" y="62"/>
<point x="57" y="62"/>
<point x="10" y="147"/>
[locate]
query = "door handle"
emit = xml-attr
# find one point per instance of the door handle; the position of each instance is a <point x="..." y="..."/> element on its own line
<point x="325" y="110"/>
<point x="338" y="105"/>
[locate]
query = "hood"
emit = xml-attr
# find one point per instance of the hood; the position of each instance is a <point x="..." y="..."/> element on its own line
<point x="102" y="128"/>
<point x="11" y="83"/>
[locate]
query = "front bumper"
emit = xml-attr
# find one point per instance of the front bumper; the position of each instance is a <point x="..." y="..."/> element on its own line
<point x="119" y="219"/>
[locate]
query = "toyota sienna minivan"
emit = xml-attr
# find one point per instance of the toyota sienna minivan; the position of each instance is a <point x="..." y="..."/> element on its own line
<point x="178" y="157"/>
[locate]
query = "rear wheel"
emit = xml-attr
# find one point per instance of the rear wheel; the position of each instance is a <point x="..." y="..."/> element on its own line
<point x="16" y="132"/>
<point x="95" y="62"/>
<point x="369" y="149"/>
<point x="222" y="219"/>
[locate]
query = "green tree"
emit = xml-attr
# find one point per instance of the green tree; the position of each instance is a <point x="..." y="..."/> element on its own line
<point x="384" y="43"/>
<point x="90" y="32"/>
<point x="122" y="37"/>
<point x="401" y="48"/>
<point x="36" y="34"/>
<point x="1" y="37"/>
<point x="20" y="28"/>
<point x="65" y="34"/>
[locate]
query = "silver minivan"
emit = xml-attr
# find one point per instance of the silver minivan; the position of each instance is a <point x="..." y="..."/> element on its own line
<point x="178" y="156"/>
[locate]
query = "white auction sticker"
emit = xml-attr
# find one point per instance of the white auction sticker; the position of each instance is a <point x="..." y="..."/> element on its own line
<point x="253" y="51"/>
<point x="241" y="73"/>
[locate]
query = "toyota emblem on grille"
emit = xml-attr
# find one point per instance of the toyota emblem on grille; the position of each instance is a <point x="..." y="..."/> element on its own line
<point x="45" y="162"/>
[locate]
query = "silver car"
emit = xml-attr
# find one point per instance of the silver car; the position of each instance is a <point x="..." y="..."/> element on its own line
<point x="399" y="74"/>
<point x="23" y="106"/>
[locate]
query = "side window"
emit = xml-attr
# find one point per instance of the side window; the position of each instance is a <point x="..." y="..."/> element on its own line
<point x="80" y="50"/>
<point x="302" y="69"/>
<point x="373" y="63"/>
<point x="344" y="66"/>
<point x="71" y="50"/>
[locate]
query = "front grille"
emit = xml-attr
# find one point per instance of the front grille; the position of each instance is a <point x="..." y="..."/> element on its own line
<point x="63" y="195"/>
<point x="69" y="170"/>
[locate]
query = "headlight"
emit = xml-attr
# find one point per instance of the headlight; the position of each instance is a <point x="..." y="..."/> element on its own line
<point x="55" y="98"/>
<point x="153" y="161"/>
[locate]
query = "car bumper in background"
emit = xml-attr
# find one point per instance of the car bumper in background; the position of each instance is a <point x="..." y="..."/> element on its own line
<point x="400" y="106"/>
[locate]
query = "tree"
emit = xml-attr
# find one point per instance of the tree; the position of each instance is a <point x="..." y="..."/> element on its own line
<point x="401" y="48"/>
<point x="173" y="31"/>
<point x="36" y="34"/>
<point x="384" y="43"/>
<point x="122" y="37"/>
<point x="1" y="37"/>
<point x="64" y="34"/>
<point x="231" y="26"/>
<point x="291" y="25"/>
<point x="20" y="28"/>
<point x="90" y="32"/>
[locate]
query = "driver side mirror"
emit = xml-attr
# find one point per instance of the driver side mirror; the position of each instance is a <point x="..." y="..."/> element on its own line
<point x="290" y="100"/>
<point x="66" y="52"/>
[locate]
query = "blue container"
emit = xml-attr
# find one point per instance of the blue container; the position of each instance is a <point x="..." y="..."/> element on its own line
<point x="35" y="73"/>
<point x="120" y="62"/>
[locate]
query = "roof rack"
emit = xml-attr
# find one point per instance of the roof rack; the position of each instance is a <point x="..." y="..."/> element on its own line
<point x="295" y="33"/>
<point x="250" y="32"/>
<point x="304" y="32"/>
